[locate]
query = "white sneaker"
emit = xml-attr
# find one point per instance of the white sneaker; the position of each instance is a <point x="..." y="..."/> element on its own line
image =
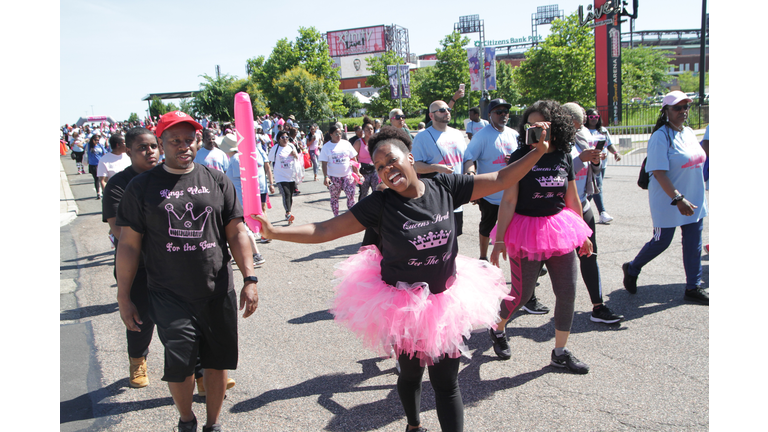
<point x="605" y="218"/>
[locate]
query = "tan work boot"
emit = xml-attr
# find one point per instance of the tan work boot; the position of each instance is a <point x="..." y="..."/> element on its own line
<point x="201" y="387"/>
<point x="138" y="372"/>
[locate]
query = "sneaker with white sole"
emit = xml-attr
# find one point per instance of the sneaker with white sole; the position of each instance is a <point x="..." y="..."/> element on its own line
<point x="500" y="345"/>
<point x="568" y="361"/>
<point x="534" y="306"/>
<point x="258" y="260"/>
<point x="605" y="218"/>
<point x="602" y="314"/>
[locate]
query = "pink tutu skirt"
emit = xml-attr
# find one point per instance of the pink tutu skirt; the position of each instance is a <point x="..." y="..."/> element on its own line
<point x="409" y="318"/>
<point x="540" y="237"/>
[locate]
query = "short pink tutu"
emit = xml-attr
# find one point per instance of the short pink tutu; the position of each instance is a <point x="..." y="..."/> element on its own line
<point x="409" y="318"/>
<point x="536" y="238"/>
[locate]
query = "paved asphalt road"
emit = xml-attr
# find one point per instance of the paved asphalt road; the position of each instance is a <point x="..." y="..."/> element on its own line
<point x="299" y="371"/>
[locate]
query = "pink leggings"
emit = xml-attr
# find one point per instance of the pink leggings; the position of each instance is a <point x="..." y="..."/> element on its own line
<point x="336" y="186"/>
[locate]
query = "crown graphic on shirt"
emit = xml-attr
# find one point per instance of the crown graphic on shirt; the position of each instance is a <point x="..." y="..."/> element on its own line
<point x="431" y="240"/>
<point x="187" y="225"/>
<point x="551" y="181"/>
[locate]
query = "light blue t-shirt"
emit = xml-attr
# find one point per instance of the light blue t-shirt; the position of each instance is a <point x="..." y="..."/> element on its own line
<point x="684" y="163"/>
<point x="434" y="147"/>
<point x="488" y="148"/>
<point x="214" y="158"/>
<point x="233" y="172"/>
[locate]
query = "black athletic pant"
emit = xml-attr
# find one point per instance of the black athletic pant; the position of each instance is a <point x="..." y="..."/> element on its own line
<point x="286" y="190"/>
<point x="590" y="272"/>
<point x="444" y="377"/>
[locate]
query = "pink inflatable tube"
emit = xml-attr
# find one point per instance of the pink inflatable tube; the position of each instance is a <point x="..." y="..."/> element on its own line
<point x="249" y="169"/>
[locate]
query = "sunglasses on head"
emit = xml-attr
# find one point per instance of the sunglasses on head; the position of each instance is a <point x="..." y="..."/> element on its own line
<point x="680" y="107"/>
<point x="442" y="110"/>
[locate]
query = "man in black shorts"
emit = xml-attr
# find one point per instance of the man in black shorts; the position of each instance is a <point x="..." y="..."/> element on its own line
<point x="181" y="216"/>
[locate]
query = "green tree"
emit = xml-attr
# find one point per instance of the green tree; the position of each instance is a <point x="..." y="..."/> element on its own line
<point x="382" y="104"/>
<point x="643" y="71"/>
<point x="689" y="82"/>
<point x="157" y="107"/>
<point x="216" y="97"/>
<point x="310" y="52"/>
<point x="451" y="70"/>
<point x="302" y="94"/>
<point x="562" y="67"/>
<point x="351" y="105"/>
<point x="505" y="84"/>
<point x="133" y="117"/>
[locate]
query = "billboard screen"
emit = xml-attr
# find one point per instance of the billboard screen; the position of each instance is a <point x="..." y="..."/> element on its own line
<point x="356" y="41"/>
<point x="354" y="66"/>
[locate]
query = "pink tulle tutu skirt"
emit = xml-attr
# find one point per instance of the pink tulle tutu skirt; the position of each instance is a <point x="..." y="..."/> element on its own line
<point x="409" y="318"/>
<point x="536" y="238"/>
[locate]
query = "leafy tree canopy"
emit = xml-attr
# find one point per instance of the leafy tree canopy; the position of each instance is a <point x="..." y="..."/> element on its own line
<point x="643" y="72"/>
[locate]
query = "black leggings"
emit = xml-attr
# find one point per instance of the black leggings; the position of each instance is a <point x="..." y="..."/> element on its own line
<point x="286" y="190"/>
<point x="93" y="169"/>
<point x="590" y="272"/>
<point x="444" y="377"/>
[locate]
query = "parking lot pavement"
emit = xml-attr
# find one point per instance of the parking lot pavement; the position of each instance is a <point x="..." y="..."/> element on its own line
<point x="299" y="371"/>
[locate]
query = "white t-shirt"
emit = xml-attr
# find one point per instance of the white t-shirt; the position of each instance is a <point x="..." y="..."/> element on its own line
<point x="338" y="156"/>
<point x="111" y="164"/>
<point x="284" y="163"/>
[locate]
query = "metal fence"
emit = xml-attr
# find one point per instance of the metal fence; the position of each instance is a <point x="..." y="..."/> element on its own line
<point x="632" y="143"/>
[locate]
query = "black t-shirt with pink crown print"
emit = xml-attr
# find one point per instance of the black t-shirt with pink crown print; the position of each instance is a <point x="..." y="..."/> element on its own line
<point x="418" y="239"/>
<point x="183" y="220"/>
<point x="542" y="190"/>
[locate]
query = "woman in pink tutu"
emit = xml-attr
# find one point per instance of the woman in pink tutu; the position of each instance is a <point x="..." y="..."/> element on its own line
<point x="540" y="221"/>
<point x="415" y="296"/>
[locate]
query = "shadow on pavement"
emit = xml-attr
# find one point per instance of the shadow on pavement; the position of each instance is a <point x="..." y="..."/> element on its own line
<point x="330" y="253"/>
<point x="103" y="258"/>
<point x="71" y="410"/>
<point x="378" y="414"/>
<point x="88" y="311"/>
<point x="312" y="317"/>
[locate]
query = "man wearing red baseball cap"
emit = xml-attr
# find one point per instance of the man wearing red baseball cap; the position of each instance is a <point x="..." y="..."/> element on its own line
<point x="182" y="215"/>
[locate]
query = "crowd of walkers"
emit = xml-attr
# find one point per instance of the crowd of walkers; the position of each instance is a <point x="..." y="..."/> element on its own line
<point x="407" y="292"/>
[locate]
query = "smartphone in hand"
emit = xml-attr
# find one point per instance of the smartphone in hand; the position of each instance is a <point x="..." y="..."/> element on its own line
<point x="533" y="135"/>
<point x="600" y="145"/>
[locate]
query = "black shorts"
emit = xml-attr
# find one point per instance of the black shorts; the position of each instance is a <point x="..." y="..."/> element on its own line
<point x="489" y="214"/>
<point x="207" y="328"/>
<point x="458" y="222"/>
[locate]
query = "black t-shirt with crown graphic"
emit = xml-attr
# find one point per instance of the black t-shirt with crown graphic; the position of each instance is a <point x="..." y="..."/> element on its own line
<point x="417" y="235"/>
<point x="542" y="190"/>
<point x="183" y="219"/>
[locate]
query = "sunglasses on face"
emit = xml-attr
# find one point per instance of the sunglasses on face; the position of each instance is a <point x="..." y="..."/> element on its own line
<point x="680" y="107"/>
<point x="442" y="110"/>
<point x="593" y="117"/>
<point x="501" y="112"/>
<point x="399" y="117"/>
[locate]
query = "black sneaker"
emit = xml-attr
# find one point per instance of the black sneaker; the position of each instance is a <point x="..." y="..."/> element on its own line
<point x="630" y="282"/>
<point x="534" y="306"/>
<point x="698" y="295"/>
<point x="569" y="361"/>
<point x="543" y="271"/>
<point x="604" y="315"/>
<point x="500" y="345"/>
<point x="213" y="428"/>
<point x="418" y="429"/>
<point x="190" y="426"/>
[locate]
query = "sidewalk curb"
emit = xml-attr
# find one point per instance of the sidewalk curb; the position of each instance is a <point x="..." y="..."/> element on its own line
<point x="69" y="210"/>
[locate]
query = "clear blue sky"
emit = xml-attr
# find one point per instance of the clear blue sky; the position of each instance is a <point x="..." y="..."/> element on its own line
<point x="113" y="53"/>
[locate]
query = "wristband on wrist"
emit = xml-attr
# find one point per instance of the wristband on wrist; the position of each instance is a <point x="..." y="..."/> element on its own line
<point x="250" y="279"/>
<point x="500" y="241"/>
